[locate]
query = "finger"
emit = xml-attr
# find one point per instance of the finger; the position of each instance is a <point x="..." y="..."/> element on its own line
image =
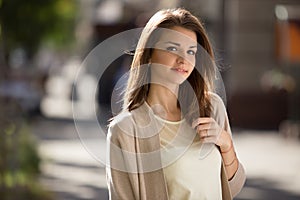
<point x="203" y="134"/>
<point x="201" y="120"/>
<point x="208" y="126"/>
<point x="208" y="132"/>
<point x="203" y="127"/>
<point x="210" y="139"/>
<point x="195" y="123"/>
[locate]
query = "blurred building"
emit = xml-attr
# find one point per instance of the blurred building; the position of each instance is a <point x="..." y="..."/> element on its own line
<point x="261" y="84"/>
<point x="263" y="79"/>
<point x="70" y="86"/>
<point x="256" y="45"/>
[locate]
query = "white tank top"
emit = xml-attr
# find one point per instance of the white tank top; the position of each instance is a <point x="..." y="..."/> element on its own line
<point x="194" y="175"/>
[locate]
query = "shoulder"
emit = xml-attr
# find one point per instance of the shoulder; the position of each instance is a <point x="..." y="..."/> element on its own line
<point x="217" y="103"/>
<point x="219" y="112"/>
<point x="121" y="123"/>
<point x="125" y="123"/>
<point x="122" y="118"/>
<point x="215" y="99"/>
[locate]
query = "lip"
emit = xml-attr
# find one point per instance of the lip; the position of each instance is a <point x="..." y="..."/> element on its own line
<point x="179" y="70"/>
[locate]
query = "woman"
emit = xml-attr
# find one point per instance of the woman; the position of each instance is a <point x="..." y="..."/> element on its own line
<point x="172" y="140"/>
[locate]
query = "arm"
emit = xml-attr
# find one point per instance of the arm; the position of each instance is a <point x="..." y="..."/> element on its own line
<point x="216" y="129"/>
<point x="118" y="180"/>
<point x="234" y="169"/>
<point x="228" y="153"/>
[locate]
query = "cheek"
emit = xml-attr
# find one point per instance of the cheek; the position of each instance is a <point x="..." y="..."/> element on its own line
<point x="162" y="57"/>
<point x="191" y="61"/>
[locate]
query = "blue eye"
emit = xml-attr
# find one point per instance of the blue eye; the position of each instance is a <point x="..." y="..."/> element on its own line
<point x="171" y="48"/>
<point x="191" y="52"/>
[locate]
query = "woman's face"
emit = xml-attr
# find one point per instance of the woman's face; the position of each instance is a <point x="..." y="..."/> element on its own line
<point x="173" y="57"/>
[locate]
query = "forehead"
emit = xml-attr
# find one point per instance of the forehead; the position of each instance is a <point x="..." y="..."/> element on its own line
<point x="179" y="34"/>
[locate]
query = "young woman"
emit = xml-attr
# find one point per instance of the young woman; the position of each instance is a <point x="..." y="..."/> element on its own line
<point x="173" y="139"/>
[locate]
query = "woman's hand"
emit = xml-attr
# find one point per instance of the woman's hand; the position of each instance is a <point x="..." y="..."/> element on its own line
<point x="210" y="132"/>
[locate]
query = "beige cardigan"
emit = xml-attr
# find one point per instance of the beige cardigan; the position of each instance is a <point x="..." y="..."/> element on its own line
<point x="134" y="169"/>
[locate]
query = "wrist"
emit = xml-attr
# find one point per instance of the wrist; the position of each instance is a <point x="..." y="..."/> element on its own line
<point x="227" y="149"/>
<point x="230" y="163"/>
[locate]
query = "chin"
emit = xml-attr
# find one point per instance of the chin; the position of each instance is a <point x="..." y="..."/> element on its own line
<point x="180" y="80"/>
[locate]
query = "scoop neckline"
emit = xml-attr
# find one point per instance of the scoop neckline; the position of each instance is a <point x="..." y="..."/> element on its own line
<point x="161" y="119"/>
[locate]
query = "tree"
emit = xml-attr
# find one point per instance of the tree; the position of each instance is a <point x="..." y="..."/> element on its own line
<point x="25" y="24"/>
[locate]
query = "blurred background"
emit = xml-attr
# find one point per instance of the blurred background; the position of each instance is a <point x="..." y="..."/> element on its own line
<point x="42" y="46"/>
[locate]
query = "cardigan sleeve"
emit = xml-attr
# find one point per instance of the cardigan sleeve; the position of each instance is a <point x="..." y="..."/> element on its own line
<point x="118" y="179"/>
<point x="131" y="174"/>
<point x="237" y="182"/>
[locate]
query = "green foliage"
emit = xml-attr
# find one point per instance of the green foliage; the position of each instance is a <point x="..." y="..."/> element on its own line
<point x="19" y="158"/>
<point x="27" y="23"/>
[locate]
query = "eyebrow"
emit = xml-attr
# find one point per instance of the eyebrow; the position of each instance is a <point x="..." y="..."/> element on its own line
<point x="177" y="44"/>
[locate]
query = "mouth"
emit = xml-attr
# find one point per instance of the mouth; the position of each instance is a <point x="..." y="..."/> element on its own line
<point x="180" y="70"/>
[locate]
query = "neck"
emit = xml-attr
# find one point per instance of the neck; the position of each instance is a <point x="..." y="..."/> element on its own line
<point x="163" y="97"/>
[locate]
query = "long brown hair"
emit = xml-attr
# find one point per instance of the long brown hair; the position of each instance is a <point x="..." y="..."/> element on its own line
<point x="200" y="80"/>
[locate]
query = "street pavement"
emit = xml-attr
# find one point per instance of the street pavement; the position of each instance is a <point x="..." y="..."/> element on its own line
<point x="73" y="161"/>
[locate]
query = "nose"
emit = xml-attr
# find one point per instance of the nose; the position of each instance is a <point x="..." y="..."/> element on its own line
<point x="181" y="59"/>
